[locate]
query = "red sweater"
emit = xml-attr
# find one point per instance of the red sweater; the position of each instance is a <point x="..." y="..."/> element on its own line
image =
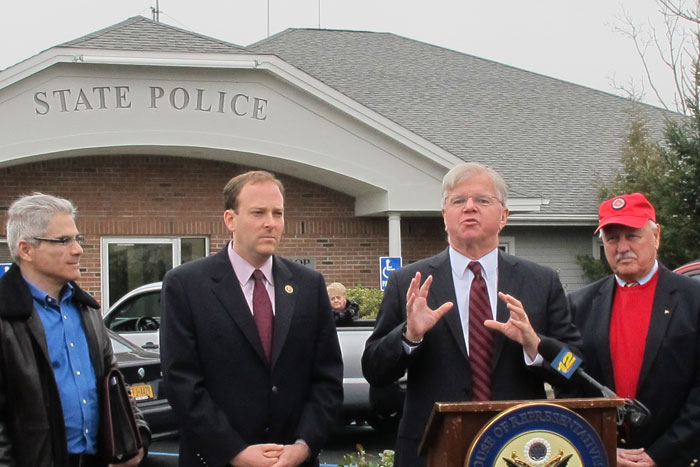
<point x="629" y="326"/>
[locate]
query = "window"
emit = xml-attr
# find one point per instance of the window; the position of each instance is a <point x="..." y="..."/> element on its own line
<point x="128" y="263"/>
<point x="507" y="245"/>
<point x="5" y="258"/>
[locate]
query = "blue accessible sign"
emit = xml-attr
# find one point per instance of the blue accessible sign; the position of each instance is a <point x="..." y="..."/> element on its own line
<point x="4" y="267"/>
<point x="387" y="264"/>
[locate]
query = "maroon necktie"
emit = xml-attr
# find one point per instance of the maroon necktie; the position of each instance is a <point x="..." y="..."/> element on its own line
<point x="262" y="311"/>
<point x="480" y="337"/>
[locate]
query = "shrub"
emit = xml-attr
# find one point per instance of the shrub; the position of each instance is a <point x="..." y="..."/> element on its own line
<point x="361" y="459"/>
<point x="368" y="299"/>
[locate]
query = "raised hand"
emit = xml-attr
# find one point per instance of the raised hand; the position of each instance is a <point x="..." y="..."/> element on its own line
<point x="419" y="317"/>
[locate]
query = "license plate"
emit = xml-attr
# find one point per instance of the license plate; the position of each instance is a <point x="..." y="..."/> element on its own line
<point x="142" y="392"/>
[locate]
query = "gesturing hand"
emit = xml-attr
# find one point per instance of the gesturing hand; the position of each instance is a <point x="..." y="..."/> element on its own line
<point x="518" y="327"/>
<point x="419" y="317"/>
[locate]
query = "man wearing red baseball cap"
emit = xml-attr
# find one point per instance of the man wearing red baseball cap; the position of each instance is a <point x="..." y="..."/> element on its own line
<point x="641" y="336"/>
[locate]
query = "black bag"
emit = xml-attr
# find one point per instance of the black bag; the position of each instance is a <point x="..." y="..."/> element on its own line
<point x="119" y="435"/>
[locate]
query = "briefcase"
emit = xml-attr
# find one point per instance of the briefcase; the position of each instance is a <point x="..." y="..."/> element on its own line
<point x="119" y="435"/>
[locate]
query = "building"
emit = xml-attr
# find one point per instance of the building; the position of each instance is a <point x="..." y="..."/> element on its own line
<point x="141" y="124"/>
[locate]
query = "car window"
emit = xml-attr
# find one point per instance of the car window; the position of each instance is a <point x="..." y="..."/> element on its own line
<point x="140" y="314"/>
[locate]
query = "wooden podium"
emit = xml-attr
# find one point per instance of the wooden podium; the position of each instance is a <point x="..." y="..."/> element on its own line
<point x="453" y="426"/>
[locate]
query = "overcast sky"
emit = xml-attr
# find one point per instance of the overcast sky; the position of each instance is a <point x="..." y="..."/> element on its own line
<point x="572" y="40"/>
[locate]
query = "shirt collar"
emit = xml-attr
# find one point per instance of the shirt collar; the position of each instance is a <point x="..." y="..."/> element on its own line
<point x="489" y="263"/>
<point x="44" y="298"/>
<point x="644" y="279"/>
<point x="244" y="269"/>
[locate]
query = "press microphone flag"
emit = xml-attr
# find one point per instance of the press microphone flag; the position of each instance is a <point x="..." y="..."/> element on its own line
<point x="566" y="363"/>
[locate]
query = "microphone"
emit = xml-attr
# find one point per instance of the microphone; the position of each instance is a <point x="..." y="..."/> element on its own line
<point x="566" y="363"/>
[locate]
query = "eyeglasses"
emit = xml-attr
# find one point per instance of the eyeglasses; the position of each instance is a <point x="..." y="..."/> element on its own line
<point x="65" y="240"/>
<point x="482" y="201"/>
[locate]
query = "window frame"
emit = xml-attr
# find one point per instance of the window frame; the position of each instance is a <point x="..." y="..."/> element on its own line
<point x="176" y="248"/>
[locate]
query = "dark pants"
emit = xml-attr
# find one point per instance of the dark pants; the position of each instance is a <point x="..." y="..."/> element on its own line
<point x="83" y="460"/>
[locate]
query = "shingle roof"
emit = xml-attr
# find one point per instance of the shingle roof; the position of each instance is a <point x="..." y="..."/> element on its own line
<point x="142" y="34"/>
<point x="547" y="137"/>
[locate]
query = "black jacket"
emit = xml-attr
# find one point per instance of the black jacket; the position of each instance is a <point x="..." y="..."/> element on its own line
<point x="346" y="316"/>
<point x="32" y="427"/>
<point x="669" y="381"/>
<point x="224" y="393"/>
<point x="439" y="369"/>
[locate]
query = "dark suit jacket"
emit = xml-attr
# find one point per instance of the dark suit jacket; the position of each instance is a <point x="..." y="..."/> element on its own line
<point x="669" y="382"/>
<point x="438" y="370"/>
<point x="223" y="392"/>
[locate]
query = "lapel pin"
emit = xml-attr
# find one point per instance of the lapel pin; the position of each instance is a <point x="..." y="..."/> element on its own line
<point x="288" y="288"/>
<point x="666" y="312"/>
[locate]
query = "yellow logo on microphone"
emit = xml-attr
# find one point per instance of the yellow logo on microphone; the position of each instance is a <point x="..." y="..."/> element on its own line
<point x="567" y="362"/>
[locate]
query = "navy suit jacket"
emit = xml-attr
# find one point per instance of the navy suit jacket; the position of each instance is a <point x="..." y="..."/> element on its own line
<point x="224" y="393"/>
<point x="439" y="370"/>
<point x="669" y="381"/>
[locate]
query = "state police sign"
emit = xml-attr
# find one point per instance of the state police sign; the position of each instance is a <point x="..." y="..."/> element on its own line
<point x="387" y="264"/>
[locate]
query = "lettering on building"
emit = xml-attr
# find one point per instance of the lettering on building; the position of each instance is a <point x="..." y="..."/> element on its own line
<point x="178" y="98"/>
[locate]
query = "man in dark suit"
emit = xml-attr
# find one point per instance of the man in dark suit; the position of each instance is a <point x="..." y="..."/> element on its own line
<point x="641" y="334"/>
<point x="251" y="360"/>
<point x="437" y="317"/>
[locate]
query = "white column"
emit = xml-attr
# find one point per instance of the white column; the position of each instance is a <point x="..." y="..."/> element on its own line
<point x="394" y="234"/>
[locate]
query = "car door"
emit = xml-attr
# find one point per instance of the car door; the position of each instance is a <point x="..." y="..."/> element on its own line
<point x="136" y="316"/>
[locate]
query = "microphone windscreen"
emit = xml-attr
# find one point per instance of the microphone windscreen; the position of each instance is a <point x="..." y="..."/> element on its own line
<point x="549" y="349"/>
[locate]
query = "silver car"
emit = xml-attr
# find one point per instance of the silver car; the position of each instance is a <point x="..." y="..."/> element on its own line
<point x="136" y="316"/>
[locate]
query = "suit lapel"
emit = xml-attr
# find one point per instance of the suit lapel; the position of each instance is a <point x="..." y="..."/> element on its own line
<point x="661" y="314"/>
<point x="442" y="290"/>
<point x="601" y="308"/>
<point x="229" y="293"/>
<point x="286" y="292"/>
<point x="508" y="283"/>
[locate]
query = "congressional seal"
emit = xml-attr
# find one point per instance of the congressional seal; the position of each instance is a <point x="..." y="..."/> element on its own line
<point x="537" y="434"/>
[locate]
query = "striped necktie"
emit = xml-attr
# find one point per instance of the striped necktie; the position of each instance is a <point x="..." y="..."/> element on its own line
<point x="480" y="337"/>
<point x="262" y="312"/>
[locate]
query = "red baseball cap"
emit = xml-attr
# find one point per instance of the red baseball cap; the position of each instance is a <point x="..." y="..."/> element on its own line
<point x="632" y="210"/>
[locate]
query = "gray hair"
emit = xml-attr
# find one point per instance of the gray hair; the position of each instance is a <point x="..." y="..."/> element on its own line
<point x="29" y="216"/>
<point x="652" y="225"/>
<point x="336" y="287"/>
<point x="466" y="170"/>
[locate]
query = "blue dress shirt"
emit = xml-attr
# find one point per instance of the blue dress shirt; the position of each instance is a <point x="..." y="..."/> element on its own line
<point x="72" y="367"/>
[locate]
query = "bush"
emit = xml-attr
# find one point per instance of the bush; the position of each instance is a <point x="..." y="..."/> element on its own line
<point x="361" y="459"/>
<point x="593" y="269"/>
<point x="368" y="299"/>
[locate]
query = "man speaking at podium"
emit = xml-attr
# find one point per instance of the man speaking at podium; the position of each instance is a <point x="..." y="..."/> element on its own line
<point x="438" y="316"/>
<point x="641" y="336"/>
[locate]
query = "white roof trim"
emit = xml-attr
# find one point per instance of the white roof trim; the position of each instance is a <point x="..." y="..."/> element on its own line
<point x="269" y="63"/>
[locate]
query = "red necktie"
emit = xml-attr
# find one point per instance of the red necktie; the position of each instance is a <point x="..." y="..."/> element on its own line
<point x="262" y="312"/>
<point x="480" y="337"/>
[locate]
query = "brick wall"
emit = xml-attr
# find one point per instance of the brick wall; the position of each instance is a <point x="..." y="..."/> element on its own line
<point x="169" y="196"/>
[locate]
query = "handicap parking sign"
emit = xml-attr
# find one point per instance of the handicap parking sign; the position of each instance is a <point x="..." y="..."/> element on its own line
<point x="387" y="264"/>
<point x="4" y="267"/>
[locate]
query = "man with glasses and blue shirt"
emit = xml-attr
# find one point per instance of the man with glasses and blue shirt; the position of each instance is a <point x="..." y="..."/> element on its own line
<point x="439" y="316"/>
<point x="54" y="349"/>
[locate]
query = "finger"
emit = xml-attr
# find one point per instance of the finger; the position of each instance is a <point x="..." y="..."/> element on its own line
<point x="495" y="325"/>
<point x="413" y="286"/>
<point x="272" y="447"/>
<point x="444" y="308"/>
<point x="425" y="288"/>
<point x="510" y="300"/>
